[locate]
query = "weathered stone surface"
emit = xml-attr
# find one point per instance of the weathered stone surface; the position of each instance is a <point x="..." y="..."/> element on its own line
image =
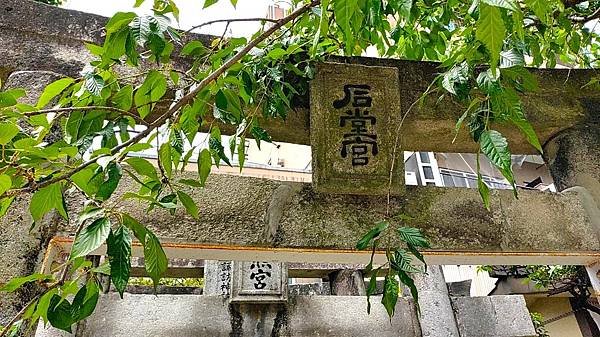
<point x="324" y="228"/>
<point x="259" y="282"/>
<point x="217" y="278"/>
<point x="55" y="38"/>
<point x="354" y="119"/>
<point x="22" y="250"/>
<point x="193" y="315"/>
<point x="493" y="316"/>
<point x="437" y="318"/>
<point x="348" y="282"/>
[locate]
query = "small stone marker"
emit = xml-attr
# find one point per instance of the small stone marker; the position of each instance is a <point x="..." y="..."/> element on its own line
<point x="259" y="282"/>
<point x="354" y="115"/>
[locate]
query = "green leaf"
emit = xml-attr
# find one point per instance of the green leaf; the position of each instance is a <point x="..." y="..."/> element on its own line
<point x="540" y="8"/>
<point x="107" y="188"/>
<point x="137" y="228"/>
<point x="85" y="301"/>
<point x="276" y="53"/>
<point x="204" y="165"/>
<point x="518" y="119"/>
<point x="410" y="283"/>
<point x="60" y="313"/>
<point x="5" y="204"/>
<point x="365" y="241"/>
<point x="166" y="160"/>
<point x="5" y="183"/>
<point x="208" y="3"/>
<point x="94" y="84"/>
<point x="46" y="199"/>
<point x="241" y="150"/>
<point x="52" y="90"/>
<point x="124" y="98"/>
<point x="508" y="4"/>
<point x="8" y="131"/>
<point x="18" y="282"/>
<point x="142" y="167"/>
<point x="119" y="255"/>
<point x="484" y="191"/>
<point x="343" y="10"/>
<point x="413" y="236"/>
<point x="90" y="238"/>
<point x="155" y="258"/>
<point x="152" y="90"/>
<point x="372" y="288"/>
<point x="189" y="204"/>
<point x="491" y="31"/>
<point x="118" y="21"/>
<point x="391" y="290"/>
<point x="495" y="147"/>
<point x="403" y="262"/>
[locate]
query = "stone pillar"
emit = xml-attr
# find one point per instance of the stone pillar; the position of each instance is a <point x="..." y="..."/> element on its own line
<point x="573" y="157"/>
<point x="437" y="317"/>
<point x="22" y="250"/>
<point x="217" y="278"/>
<point x="347" y="282"/>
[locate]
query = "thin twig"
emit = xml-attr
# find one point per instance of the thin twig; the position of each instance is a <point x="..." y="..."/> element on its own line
<point x="229" y="21"/>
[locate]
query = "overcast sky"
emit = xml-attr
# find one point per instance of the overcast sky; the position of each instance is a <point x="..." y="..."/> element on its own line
<point x="191" y="13"/>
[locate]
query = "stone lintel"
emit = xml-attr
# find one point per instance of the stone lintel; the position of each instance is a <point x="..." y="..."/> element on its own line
<point x="538" y="228"/>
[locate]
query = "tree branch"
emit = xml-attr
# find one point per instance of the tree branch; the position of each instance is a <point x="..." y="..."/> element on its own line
<point x="88" y="108"/>
<point x="179" y="104"/>
<point x="229" y="21"/>
<point x="582" y="19"/>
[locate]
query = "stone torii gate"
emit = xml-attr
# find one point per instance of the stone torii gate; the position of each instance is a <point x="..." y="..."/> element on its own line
<point x="251" y="219"/>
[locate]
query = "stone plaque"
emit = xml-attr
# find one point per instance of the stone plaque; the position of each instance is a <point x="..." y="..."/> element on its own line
<point x="259" y="282"/>
<point x="354" y="115"/>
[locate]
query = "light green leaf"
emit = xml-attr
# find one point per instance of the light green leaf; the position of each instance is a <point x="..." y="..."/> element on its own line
<point x="124" y="98"/>
<point x="5" y="183"/>
<point x="90" y="238"/>
<point x="142" y="167"/>
<point x="52" y="90"/>
<point x="152" y="90"/>
<point x="5" y="204"/>
<point x="18" y="282"/>
<point x="155" y="258"/>
<point x="276" y="53"/>
<point x="46" y="199"/>
<point x="189" y="204"/>
<point x="118" y="21"/>
<point x="166" y="161"/>
<point x="491" y="31"/>
<point x="8" y="131"/>
<point x="119" y="255"/>
<point x="484" y="191"/>
<point x="508" y="4"/>
<point x="208" y="3"/>
<point x="204" y="165"/>
<point x="540" y="8"/>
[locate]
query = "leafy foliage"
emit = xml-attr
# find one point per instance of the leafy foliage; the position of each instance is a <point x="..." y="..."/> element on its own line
<point x="399" y="264"/>
<point x="235" y="84"/>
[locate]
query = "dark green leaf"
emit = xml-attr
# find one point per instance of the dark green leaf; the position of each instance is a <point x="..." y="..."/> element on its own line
<point x="156" y="260"/>
<point x="166" y="161"/>
<point x="413" y="236"/>
<point x="495" y="147"/>
<point x="60" y="313"/>
<point x="119" y="255"/>
<point x="410" y="283"/>
<point x="106" y="189"/>
<point x="365" y="241"/>
<point x="391" y="290"/>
